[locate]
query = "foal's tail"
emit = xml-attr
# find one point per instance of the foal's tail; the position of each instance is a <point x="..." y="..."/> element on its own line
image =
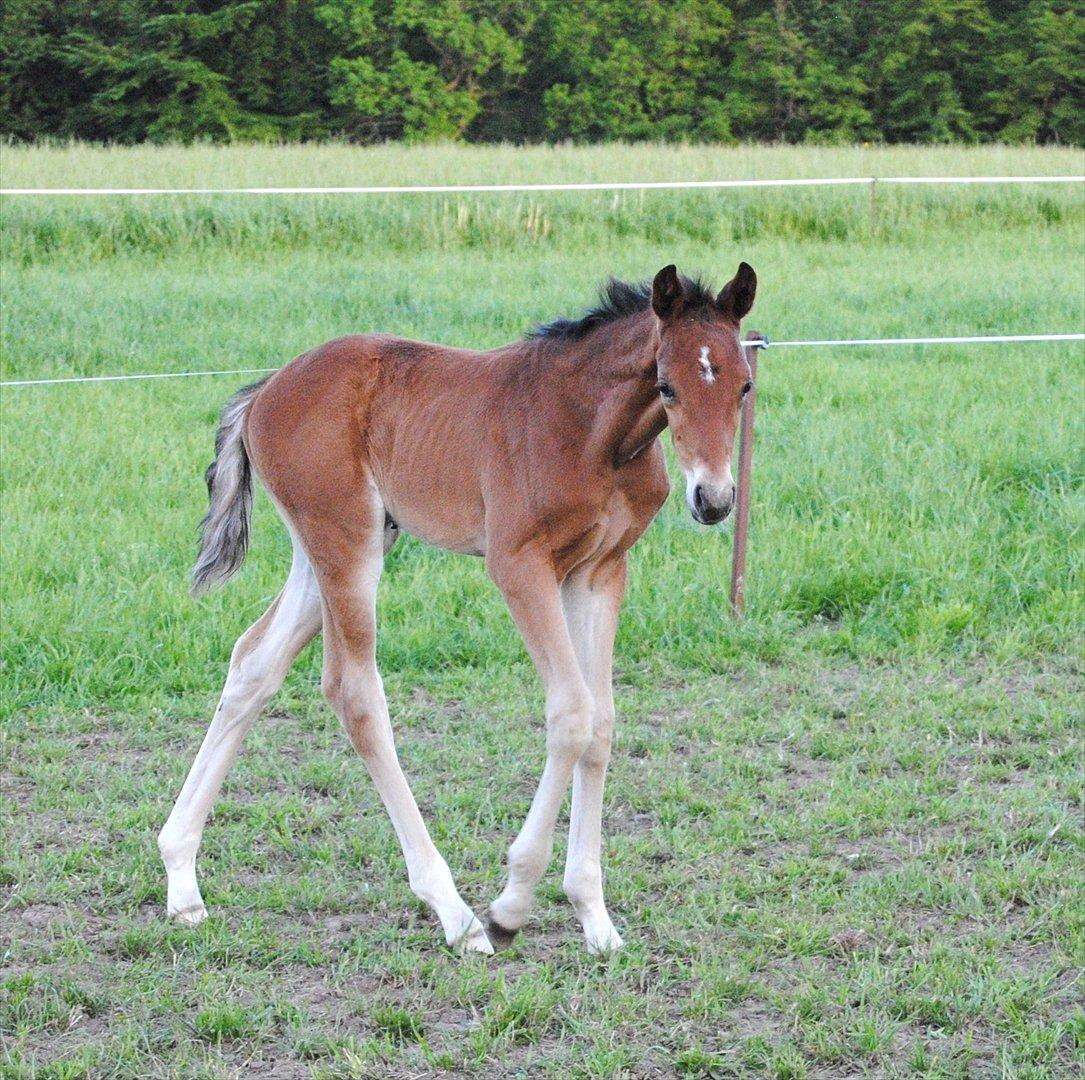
<point x="224" y="532"/>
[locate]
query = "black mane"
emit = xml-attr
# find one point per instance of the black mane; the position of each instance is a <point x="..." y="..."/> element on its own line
<point x="617" y="299"/>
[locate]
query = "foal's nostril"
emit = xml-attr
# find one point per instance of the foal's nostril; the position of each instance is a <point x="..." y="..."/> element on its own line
<point x="699" y="499"/>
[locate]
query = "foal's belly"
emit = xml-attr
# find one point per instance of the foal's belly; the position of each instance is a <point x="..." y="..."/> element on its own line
<point x="459" y="537"/>
<point x="443" y="515"/>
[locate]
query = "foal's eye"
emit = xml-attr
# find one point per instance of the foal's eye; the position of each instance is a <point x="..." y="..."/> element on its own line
<point x="747" y="388"/>
<point x="666" y="391"/>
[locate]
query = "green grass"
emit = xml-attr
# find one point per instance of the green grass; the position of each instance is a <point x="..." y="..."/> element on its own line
<point x="843" y="836"/>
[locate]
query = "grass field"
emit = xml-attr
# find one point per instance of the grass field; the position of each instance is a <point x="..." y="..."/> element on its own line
<point x="843" y="837"/>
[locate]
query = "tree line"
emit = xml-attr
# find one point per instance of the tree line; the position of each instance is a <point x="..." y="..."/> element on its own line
<point x="545" y="70"/>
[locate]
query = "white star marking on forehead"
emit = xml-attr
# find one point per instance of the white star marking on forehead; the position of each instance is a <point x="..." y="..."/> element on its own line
<point x="707" y="373"/>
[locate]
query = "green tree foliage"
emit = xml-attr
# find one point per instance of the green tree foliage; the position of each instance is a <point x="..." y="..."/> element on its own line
<point x="527" y="70"/>
<point x="130" y="70"/>
<point x="635" y="71"/>
<point x="419" y="69"/>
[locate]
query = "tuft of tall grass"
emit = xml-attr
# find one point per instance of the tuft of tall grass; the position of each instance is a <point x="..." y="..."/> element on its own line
<point x="42" y="230"/>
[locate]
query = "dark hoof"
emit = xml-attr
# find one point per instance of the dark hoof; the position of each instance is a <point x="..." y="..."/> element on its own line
<point x="500" y="937"/>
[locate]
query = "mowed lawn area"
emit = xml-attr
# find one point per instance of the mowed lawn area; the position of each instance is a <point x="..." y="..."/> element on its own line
<point x="843" y="837"/>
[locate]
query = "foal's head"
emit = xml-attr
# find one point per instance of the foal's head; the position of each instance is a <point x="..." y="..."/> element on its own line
<point x="702" y="376"/>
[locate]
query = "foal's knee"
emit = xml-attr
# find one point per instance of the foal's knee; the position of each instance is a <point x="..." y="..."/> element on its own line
<point x="596" y="754"/>
<point x="569" y="727"/>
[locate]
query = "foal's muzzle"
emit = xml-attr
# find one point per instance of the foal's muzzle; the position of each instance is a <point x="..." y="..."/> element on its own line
<point x="710" y="507"/>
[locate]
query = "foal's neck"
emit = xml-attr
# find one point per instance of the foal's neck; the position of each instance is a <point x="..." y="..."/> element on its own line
<point x="621" y="384"/>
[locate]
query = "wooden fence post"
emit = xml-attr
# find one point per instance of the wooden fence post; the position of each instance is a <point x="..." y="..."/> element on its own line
<point x="745" y="468"/>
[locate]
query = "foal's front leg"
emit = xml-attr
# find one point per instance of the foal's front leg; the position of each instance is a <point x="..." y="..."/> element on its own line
<point x="592" y="599"/>
<point x="531" y="592"/>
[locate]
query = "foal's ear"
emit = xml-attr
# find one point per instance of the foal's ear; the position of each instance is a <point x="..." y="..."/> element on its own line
<point x="667" y="296"/>
<point x="736" y="297"/>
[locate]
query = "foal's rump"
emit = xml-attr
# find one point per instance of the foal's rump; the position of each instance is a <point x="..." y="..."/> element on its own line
<point x="245" y="442"/>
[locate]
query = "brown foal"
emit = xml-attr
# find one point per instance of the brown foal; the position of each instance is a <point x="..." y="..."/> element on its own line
<point x="542" y="456"/>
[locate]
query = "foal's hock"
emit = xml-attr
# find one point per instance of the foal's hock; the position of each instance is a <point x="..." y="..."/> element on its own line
<point x="544" y="458"/>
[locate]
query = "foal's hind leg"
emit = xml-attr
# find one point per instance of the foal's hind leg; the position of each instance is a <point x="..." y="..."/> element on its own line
<point x="260" y="661"/>
<point x="348" y="574"/>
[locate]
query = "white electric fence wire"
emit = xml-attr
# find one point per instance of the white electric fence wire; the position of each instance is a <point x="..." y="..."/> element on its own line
<point x="992" y="340"/>
<point x="759" y="343"/>
<point x="630" y="185"/>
